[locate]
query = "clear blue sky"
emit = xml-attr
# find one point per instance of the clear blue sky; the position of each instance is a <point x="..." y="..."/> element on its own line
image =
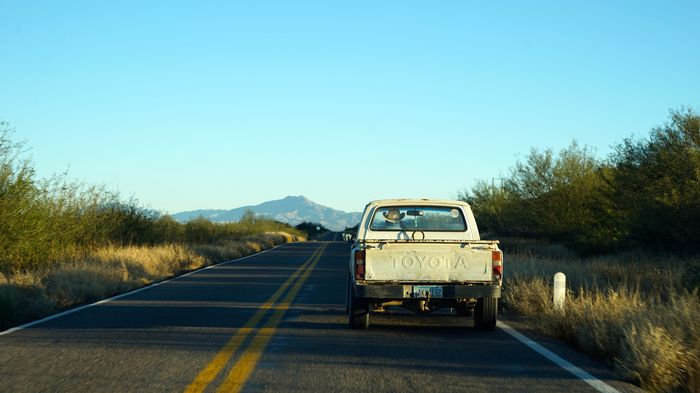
<point x="189" y="105"/>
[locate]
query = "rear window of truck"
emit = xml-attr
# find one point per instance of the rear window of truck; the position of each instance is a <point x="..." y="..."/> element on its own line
<point x="418" y="218"/>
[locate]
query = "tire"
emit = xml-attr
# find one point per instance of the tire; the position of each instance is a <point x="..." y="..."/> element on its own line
<point x="485" y="313"/>
<point x="358" y="315"/>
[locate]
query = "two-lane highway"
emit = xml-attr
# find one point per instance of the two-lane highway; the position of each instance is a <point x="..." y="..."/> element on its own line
<point x="271" y="322"/>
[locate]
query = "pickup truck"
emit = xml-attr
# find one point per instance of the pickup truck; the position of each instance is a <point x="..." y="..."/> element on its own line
<point x="423" y="255"/>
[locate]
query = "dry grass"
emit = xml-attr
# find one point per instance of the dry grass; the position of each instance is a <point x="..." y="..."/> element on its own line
<point x="116" y="269"/>
<point x="639" y="313"/>
<point x="112" y="270"/>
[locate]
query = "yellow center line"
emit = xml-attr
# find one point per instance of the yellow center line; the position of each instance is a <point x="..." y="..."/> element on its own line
<point x="245" y="365"/>
<point x="209" y="373"/>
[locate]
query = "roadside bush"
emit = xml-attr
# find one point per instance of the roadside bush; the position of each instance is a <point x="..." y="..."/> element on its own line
<point x="631" y="310"/>
<point x="552" y="196"/>
<point x="651" y="357"/>
<point x="22" y="302"/>
<point x="83" y="283"/>
<point x="309" y="229"/>
<point x="114" y="269"/>
<point x="64" y="243"/>
<point x="494" y="207"/>
<point x="46" y="221"/>
<point x="646" y="194"/>
<point x="655" y="184"/>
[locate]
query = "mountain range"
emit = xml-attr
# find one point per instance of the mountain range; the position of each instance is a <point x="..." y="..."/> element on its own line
<point x="292" y="210"/>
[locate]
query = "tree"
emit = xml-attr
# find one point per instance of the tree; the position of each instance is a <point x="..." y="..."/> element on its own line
<point x="548" y="195"/>
<point x="655" y="184"/>
<point x="18" y="199"/>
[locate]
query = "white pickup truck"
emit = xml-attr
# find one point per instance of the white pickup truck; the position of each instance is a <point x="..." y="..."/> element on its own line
<point x="423" y="255"/>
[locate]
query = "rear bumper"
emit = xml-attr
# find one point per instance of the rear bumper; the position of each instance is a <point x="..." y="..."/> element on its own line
<point x="381" y="291"/>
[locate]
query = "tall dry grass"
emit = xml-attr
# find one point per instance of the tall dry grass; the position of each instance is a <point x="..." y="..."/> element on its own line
<point x="112" y="270"/>
<point x="640" y="313"/>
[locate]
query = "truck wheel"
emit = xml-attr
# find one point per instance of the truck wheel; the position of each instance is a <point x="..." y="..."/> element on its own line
<point x="485" y="313"/>
<point x="358" y="317"/>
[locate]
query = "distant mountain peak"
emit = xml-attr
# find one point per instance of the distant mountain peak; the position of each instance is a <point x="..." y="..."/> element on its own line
<point x="299" y="198"/>
<point x="290" y="209"/>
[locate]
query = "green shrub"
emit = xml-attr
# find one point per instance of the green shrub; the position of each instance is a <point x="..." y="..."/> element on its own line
<point x="46" y="221"/>
<point x="656" y="185"/>
<point x="646" y="194"/>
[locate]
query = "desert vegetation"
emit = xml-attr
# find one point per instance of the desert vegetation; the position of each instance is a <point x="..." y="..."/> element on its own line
<point x="310" y="229"/>
<point x="64" y="243"/>
<point x="635" y="310"/>
<point x="625" y="230"/>
<point x="646" y="194"/>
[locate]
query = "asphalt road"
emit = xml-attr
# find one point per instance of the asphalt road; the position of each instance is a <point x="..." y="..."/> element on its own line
<point x="272" y="322"/>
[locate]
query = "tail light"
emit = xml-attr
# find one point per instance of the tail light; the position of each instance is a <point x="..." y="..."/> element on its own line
<point x="360" y="264"/>
<point x="497" y="264"/>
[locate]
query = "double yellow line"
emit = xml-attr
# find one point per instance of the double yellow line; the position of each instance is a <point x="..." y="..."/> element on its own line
<point x="245" y="365"/>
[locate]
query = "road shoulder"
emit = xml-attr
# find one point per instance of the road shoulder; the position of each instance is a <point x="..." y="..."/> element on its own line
<point x="598" y="369"/>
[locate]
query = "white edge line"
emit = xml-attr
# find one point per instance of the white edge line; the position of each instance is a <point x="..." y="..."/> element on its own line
<point x="103" y="301"/>
<point x="566" y="365"/>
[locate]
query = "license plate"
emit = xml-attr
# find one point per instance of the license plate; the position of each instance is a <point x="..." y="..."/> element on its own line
<point x="425" y="291"/>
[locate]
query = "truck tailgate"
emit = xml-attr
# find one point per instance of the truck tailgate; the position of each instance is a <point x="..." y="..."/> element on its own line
<point x="426" y="262"/>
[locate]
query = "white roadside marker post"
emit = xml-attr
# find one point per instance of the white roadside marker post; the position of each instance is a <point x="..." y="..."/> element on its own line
<point x="559" y="290"/>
